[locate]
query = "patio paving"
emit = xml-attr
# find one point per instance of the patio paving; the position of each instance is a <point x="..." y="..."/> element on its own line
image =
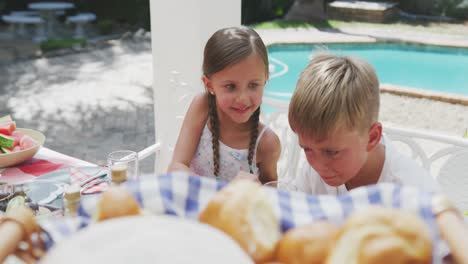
<point x="87" y="104"/>
<point x="91" y="103"/>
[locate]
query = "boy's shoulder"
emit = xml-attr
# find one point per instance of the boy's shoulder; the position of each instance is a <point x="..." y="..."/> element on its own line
<point x="405" y="169"/>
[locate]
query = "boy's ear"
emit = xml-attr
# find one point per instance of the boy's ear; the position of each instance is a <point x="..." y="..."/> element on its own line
<point x="207" y="83"/>
<point x="375" y="134"/>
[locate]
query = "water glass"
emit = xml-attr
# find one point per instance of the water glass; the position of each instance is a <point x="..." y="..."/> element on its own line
<point x="123" y="161"/>
<point x="282" y="185"/>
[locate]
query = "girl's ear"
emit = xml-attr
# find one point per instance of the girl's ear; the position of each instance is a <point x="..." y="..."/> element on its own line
<point x="207" y="83"/>
<point x="375" y="134"/>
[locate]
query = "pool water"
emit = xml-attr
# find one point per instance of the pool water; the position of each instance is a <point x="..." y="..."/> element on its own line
<point x="425" y="67"/>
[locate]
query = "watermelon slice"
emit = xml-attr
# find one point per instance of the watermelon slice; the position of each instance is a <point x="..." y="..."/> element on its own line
<point x="6" y="118"/>
<point x="7" y="128"/>
<point x="27" y="142"/>
<point x="7" y="150"/>
<point x="7" y="141"/>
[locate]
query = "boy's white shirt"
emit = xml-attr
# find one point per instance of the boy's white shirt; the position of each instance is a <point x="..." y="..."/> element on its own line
<point x="397" y="168"/>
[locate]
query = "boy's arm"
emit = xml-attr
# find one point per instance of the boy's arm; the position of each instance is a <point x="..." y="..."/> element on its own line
<point x="189" y="135"/>
<point x="268" y="153"/>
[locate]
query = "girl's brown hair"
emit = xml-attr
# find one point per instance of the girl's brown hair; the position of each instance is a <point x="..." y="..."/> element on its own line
<point x="227" y="47"/>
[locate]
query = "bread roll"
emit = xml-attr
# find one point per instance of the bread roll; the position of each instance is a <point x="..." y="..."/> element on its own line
<point x="116" y="202"/>
<point x="381" y="235"/>
<point x="307" y="244"/>
<point x="243" y="211"/>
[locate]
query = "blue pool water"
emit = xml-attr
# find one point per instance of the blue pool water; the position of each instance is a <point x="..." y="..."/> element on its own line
<point x="424" y="67"/>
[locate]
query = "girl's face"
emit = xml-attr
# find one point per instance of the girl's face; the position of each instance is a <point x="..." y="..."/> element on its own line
<point x="238" y="88"/>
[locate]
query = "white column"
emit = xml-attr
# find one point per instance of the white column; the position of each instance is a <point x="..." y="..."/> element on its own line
<point x="179" y="31"/>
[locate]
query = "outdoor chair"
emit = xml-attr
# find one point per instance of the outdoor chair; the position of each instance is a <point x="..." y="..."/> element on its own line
<point x="80" y="20"/>
<point x="18" y="26"/>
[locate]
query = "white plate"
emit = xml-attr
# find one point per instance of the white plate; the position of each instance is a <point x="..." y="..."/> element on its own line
<point x="148" y="239"/>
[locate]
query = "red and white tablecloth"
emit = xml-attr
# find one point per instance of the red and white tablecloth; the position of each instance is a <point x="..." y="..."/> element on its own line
<point x="45" y="161"/>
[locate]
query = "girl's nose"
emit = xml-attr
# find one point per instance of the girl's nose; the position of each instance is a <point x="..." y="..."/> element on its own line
<point x="242" y="97"/>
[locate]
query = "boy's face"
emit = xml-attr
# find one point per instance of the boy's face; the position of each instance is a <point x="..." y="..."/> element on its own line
<point x="339" y="157"/>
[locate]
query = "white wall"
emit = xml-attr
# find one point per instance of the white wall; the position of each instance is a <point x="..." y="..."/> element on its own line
<point x="179" y="30"/>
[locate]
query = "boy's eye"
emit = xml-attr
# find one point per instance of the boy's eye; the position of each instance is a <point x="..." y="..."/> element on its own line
<point x="330" y="152"/>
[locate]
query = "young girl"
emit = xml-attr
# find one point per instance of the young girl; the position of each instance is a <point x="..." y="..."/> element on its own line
<point x="221" y="135"/>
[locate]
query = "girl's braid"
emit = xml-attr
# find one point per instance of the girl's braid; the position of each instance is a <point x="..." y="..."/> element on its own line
<point x="214" y="131"/>
<point x="253" y="138"/>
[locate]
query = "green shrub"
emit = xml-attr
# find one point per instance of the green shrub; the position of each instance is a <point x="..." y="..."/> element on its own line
<point x="254" y="11"/>
<point x="105" y="26"/>
<point x="55" y="44"/>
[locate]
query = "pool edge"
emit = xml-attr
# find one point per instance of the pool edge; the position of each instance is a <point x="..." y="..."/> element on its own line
<point x="424" y="94"/>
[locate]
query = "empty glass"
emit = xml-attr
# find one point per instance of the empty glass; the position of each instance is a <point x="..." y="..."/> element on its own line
<point x="282" y="185"/>
<point x="123" y="164"/>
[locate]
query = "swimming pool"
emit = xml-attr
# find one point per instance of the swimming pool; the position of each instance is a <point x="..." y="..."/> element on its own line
<point x="440" y="69"/>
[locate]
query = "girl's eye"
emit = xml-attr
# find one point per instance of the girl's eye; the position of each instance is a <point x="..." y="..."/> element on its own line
<point x="253" y="85"/>
<point x="230" y="86"/>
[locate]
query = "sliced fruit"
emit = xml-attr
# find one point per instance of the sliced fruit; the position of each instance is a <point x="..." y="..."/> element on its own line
<point x="7" y="128"/>
<point x="27" y="142"/>
<point x="7" y="141"/>
<point x="16" y="202"/>
<point x="5" y="150"/>
<point x="5" y="119"/>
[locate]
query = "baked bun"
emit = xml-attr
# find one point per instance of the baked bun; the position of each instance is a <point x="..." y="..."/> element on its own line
<point x="243" y="211"/>
<point x="309" y="244"/>
<point x="116" y="202"/>
<point x="382" y="235"/>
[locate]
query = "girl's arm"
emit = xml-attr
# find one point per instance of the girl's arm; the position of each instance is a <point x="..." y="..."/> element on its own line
<point x="189" y="135"/>
<point x="268" y="153"/>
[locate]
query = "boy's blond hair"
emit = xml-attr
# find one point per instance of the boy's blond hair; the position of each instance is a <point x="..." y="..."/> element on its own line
<point x="334" y="92"/>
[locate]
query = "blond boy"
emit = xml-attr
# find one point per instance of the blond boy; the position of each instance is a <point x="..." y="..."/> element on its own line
<point x="334" y="112"/>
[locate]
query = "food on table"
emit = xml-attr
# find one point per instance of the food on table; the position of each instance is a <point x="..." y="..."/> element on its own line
<point x="116" y="202"/>
<point x="8" y="127"/>
<point x="12" y="140"/>
<point x="382" y="235"/>
<point x="373" y="235"/>
<point x="243" y="210"/>
<point x="11" y="201"/>
<point x="309" y="244"/>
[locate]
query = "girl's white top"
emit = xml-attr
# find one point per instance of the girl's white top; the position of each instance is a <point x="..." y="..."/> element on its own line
<point x="231" y="160"/>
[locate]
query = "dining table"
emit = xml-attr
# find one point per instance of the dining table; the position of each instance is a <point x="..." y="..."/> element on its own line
<point x="184" y="195"/>
<point x="44" y="162"/>
<point x="48" y="12"/>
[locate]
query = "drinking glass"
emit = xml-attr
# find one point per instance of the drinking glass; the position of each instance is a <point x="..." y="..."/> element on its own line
<point x="282" y="185"/>
<point x="123" y="161"/>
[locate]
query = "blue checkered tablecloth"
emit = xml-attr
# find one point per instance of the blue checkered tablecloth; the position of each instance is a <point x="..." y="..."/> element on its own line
<point x="185" y="196"/>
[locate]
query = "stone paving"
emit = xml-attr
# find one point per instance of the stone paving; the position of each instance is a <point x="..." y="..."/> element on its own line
<point x="91" y="103"/>
<point x="87" y="104"/>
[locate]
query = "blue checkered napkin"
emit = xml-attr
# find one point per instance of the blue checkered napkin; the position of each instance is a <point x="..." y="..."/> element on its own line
<point x="185" y="196"/>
